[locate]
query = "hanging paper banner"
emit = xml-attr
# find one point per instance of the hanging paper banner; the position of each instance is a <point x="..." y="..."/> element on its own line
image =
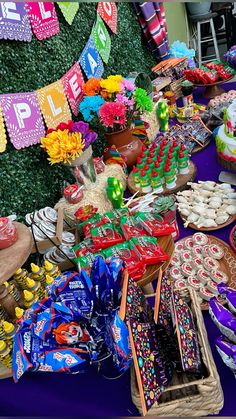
<point x="53" y="104"/>
<point x="108" y="11"/>
<point x="101" y="39"/>
<point x="91" y="61"/>
<point x="23" y="118"/>
<point x="43" y="19"/>
<point x="14" y="22"/>
<point x="3" y="137"/>
<point x="69" y="10"/>
<point x="73" y="83"/>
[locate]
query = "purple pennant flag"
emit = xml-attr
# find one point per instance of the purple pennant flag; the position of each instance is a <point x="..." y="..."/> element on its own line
<point x="14" y="22"/>
<point x="23" y="118"/>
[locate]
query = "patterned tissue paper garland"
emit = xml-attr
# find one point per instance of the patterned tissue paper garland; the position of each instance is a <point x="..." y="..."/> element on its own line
<point x="53" y="104"/>
<point x="3" y="137"/>
<point x="43" y="19"/>
<point x="73" y="86"/>
<point x="23" y="118"/>
<point x="14" y="22"/>
<point x="101" y="39"/>
<point x="90" y="61"/>
<point x="108" y="11"/>
<point x="69" y="10"/>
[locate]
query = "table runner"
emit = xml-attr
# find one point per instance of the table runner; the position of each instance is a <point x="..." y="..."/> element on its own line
<point x="92" y="395"/>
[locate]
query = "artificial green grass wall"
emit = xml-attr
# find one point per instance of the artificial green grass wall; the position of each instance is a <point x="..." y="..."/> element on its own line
<point x="27" y="181"/>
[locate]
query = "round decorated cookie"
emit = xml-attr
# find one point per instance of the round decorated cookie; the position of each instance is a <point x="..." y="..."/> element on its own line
<point x="196" y="263"/>
<point x="206" y="294"/>
<point x="175" y="273"/>
<point x="205" y="250"/>
<point x="194" y="282"/>
<point x="179" y="248"/>
<point x="219" y="276"/>
<point x="175" y="260"/>
<point x="188" y="243"/>
<point x="212" y="286"/>
<point x="197" y="251"/>
<point x="187" y="269"/>
<point x="215" y="251"/>
<point x="186" y="256"/>
<point x="210" y="264"/>
<point x="200" y="239"/>
<point x="203" y="276"/>
<point x="180" y="283"/>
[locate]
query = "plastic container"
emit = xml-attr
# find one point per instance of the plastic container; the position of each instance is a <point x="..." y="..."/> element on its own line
<point x="8" y="233"/>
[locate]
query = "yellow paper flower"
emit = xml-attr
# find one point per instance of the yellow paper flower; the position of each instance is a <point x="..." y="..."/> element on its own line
<point x="117" y="77"/>
<point x="62" y="146"/>
<point x="110" y="85"/>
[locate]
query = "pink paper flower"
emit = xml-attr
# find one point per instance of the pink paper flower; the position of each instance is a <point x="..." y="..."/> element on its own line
<point x="127" y="85"/>
<point x="124" y="99"/>
<point x="112" y="113"/>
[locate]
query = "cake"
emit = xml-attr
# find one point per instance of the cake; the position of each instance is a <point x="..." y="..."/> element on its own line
<point x="226" y="139"/>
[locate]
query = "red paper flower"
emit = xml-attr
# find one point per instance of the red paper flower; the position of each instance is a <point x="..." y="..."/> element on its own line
<point x="113" y="113"/>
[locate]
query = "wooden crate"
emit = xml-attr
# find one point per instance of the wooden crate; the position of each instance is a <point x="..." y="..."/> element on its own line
<point x="55" y="240"/>
<point x="186" y="395"/>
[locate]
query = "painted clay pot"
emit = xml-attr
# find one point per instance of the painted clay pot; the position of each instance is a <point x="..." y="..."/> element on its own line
<point x="128" y="145"/>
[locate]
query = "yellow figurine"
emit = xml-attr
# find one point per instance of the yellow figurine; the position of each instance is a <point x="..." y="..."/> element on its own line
<point x="37" y="273"/>
<point x="51" y="269"/>
<point x="19" y="312"/>
<point x="34" y="287"/>
<point x="10" y="329"/>
<point x="29" y="298"/>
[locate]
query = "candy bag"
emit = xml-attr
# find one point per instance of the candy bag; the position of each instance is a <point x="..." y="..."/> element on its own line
<point x="154" y="225"/>
<point x="186" y="334"/>
<point x="86" y="262"/>
<point x="148" y="250"/>
<point x="116" y="214"/>
<point x="223" y="319"/>
<point x="127" y="253"/>
<point x="116" y="268"/>
<point x="132" y="227"/>
<point x="100" y="275"/>
<point x="227" y="351"/>
<point x="31" y="353"/>
<point x="84" y="247"/>
<point x="106" y="235"/>
<point x="87" y="227"/>
<point x="230" y="295"/>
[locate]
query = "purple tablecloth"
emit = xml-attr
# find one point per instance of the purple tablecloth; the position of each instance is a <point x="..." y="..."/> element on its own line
<point x="92" y="395"/>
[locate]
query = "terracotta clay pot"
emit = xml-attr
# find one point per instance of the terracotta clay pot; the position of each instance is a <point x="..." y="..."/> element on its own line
<point x="128" y="145"/>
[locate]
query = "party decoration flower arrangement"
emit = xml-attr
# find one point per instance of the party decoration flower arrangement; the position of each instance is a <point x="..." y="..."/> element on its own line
<point x="113" y="103"/>
<point x="67" y="141"/>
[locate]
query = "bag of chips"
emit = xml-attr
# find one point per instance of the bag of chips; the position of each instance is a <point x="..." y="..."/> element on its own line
<point x="106" y="235"/>
<point x="154" y="225"/>
<point x="149" y="250"/>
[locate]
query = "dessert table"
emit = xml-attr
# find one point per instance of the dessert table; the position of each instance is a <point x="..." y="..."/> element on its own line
<point x="90" y="394"/>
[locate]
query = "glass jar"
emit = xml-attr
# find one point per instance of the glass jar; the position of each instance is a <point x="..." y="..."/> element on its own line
<point x="8" y="233"/>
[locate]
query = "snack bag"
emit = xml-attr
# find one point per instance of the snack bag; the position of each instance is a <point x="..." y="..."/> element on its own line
<point x="227" y="351"/>
<point x="86" y="262"/>
<point x="154" y="225"/>
<point x="230" y="295"/>
<point x="223" y="319"/>
<point x="87" y="227"/>
<point x="186" y="334"/>
<point x="127" y="253"/>
<point x="149" y="250"/>
<point x="116" y="268"/>
<point x="84" y="247"/>
<point x="30" y="353"/>
<point x="132" y="227"/>
<point x="100" y="275"/>
<point x="106" y="235"/>
<point x="116" y="214"/>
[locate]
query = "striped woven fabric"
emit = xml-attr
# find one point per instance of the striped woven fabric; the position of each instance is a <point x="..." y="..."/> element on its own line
<point x="151" y="17"/>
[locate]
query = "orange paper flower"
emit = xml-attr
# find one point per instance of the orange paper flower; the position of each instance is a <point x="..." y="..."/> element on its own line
<point x="92" y="87"/>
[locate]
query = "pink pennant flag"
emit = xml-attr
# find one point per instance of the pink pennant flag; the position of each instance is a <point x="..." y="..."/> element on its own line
<point x="23" y="118"/>
<point x="73" y="86"/>
<point x="108" y="11"/>
<point x="43" y="19"/>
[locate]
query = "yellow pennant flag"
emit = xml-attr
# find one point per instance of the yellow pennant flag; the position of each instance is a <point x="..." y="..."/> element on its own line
<point x="53" y="104"/>
<point x="3" y="137"/>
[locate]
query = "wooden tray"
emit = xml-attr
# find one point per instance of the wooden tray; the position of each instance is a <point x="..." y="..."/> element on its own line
<point x="167" y="244"/>
<point x="213" y="89"/>
<point x="194" y="227"/>
<point x="181" y="183"/>
<point x="227" y="264"/>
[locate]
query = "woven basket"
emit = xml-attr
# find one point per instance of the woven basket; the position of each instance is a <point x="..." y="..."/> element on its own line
<point x="184" y="397"/>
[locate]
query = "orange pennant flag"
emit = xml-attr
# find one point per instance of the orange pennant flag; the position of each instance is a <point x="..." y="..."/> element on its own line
<point x="53" y="104"/>
<point x="3" y="137"/>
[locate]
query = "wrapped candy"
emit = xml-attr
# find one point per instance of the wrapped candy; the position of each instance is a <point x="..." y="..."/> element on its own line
<point x="223" y="319"/>
<point x="227" y="351"/>
<point x="231" y="57"/>
<point x="230" y="295"/>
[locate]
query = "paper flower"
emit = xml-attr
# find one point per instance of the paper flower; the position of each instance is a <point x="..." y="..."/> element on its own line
<point x="111" y="85"/>
<point x="92" y="87"/>
<point x="125" y="100"/>
<point x="112" y="113"/>
<point x="127" y="85"/>
<point x="89" y="107"/>
<point x="63" y="146"/>
<point x="142" y="100"/>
